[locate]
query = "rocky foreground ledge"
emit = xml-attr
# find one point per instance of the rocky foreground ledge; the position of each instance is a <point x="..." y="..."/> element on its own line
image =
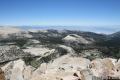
<point x="66" y="67"/>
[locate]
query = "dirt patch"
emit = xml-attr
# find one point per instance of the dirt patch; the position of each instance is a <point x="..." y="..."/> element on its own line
<point x="2" y="77"/>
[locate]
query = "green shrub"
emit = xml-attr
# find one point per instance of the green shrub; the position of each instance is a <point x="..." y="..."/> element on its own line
<point x="21" y="42"/>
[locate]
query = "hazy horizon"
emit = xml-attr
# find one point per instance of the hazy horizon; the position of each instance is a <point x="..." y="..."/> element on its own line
<point x="102" y="16"/>
<point x="96" y="29"/>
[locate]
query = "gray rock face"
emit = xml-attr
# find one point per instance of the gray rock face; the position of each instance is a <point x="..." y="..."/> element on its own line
<point x="63" y="68"/>
<point x="9" y="53"/>
<point x="16" y="70"/>
<point x="65" y="49"/>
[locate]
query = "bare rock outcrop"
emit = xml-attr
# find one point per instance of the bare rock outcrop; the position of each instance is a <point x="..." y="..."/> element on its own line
<point x="104" y="67"/>
<point x="66" y="67"/>
<point x="9" y="53"/>
<point x="74" y="38"/>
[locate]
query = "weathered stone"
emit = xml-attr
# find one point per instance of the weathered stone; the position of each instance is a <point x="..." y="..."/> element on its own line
<point x="2" y="75"/>
<point x="66" y="67"/>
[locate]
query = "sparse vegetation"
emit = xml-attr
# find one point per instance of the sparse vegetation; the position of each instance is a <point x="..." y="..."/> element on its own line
<point x="18" y="41"/>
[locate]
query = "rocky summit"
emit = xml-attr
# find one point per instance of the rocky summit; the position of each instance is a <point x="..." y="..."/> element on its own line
<point x="66" y="67"/>
<point x="58" y="55"/>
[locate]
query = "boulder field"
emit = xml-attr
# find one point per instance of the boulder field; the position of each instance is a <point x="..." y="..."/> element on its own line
<point x="66" y="67"/>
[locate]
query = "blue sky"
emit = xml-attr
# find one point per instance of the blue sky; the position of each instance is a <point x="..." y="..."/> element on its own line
<point x="61" y="12"/>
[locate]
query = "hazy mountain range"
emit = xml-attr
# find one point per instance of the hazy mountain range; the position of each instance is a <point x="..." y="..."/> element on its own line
<point x="97" y="29"/>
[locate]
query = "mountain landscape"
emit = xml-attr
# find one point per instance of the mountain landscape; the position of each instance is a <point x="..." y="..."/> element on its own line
<point x="49" y="54"/>
<point x="59" y="39"/>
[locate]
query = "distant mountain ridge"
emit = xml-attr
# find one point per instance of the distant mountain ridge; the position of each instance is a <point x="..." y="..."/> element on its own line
<point x="96" y="29"/>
